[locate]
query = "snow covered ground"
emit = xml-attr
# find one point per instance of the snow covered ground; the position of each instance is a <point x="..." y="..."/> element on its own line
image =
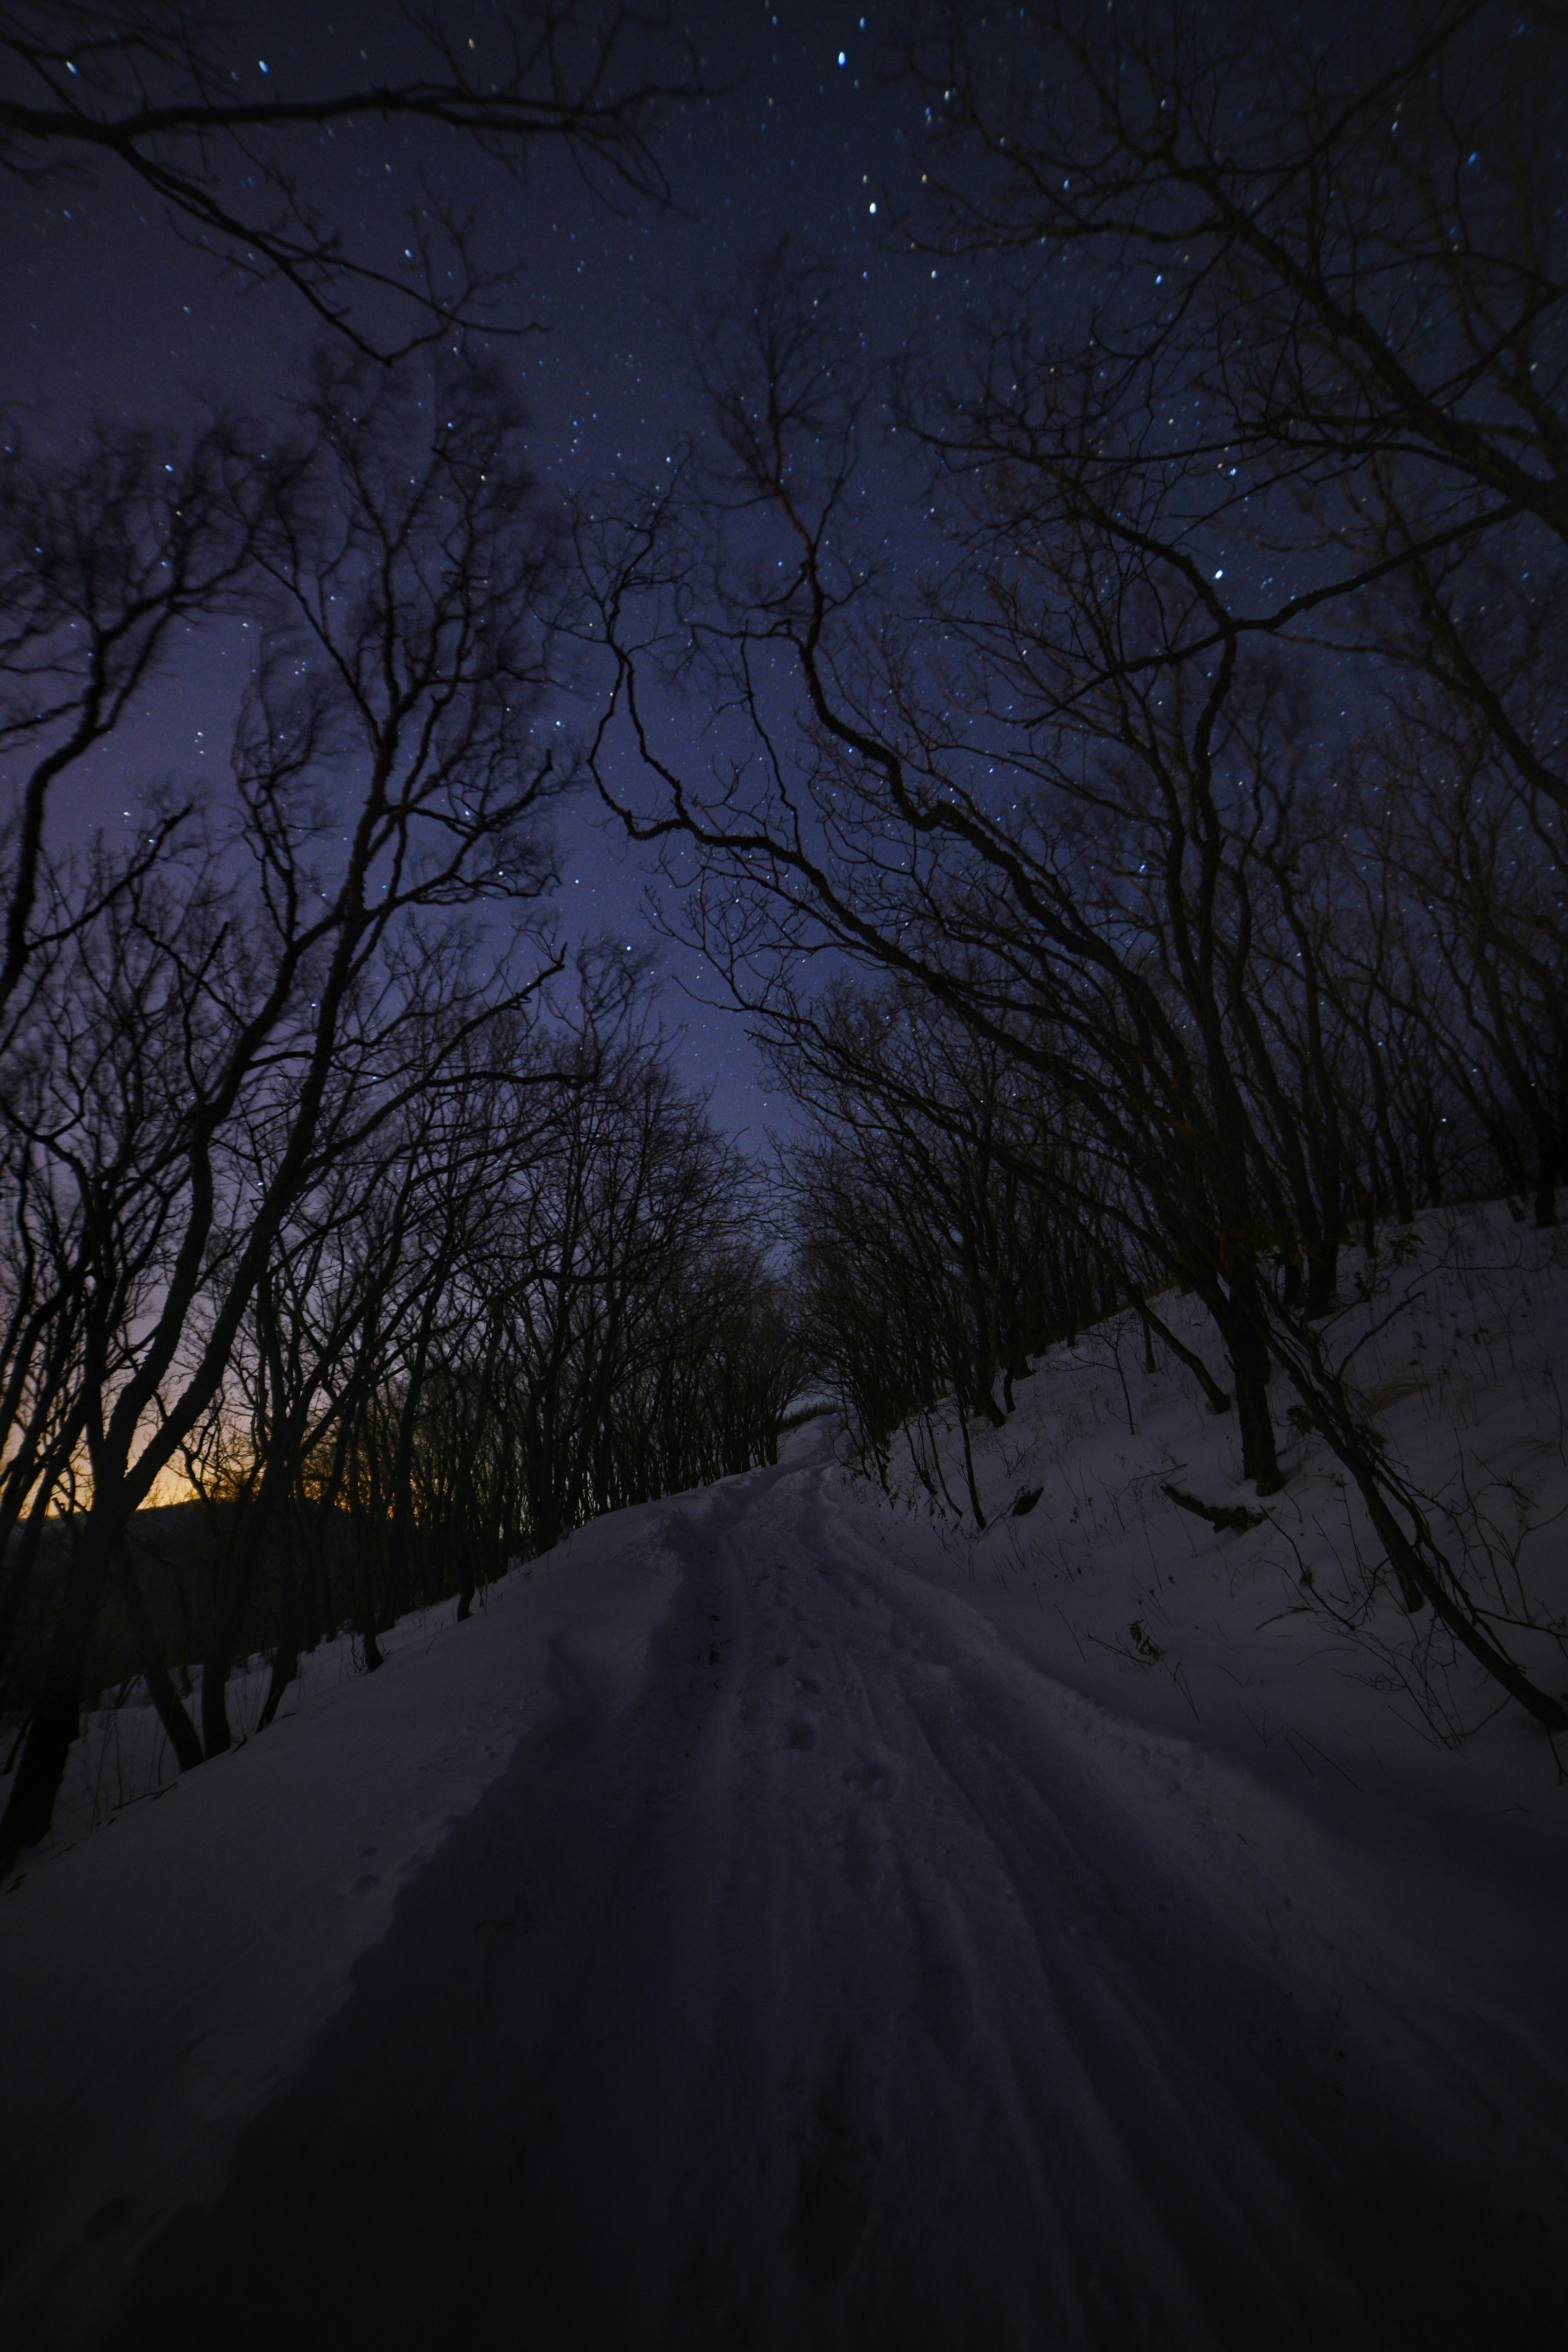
<point x="786" y="1919"/>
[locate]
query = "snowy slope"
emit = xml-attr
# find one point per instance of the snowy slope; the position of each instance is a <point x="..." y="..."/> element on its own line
<point x="786" y="1919"/>
<point x="160" y="1980"/>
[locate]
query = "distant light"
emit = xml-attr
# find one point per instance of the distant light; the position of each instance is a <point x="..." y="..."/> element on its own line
<point x="842" y="59"/>
<point x="262" y="63"/>
<point x="1219" y="575"/>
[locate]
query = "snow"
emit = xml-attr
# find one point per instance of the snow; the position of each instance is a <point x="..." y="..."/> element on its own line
<point x="163" y="1979"/>
<point x="787" y="1918"/>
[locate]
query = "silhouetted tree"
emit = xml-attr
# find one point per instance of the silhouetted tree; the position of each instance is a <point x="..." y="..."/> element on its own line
<point x="385" y="768"/>
<point x="152" y="89"/>
<point x="1054" y="787"/>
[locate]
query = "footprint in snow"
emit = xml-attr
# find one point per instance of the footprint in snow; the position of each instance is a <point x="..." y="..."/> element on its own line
<point x="864" y="1852"/>
<point x="944" y="2001"/>
<point x="802" y="1732"/>
<point x="837" y="2167"/>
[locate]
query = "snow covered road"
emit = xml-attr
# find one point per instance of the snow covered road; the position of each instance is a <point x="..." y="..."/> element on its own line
<point x="820" y="1971"/>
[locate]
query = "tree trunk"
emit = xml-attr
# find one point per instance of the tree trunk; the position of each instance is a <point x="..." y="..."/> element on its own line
<point x="285" y="1666"/>
<point x="228" y="1625"/>
<point x="1240" y="1321"/>
<point x="286" y="1656"/>
<point x="1260" y="1454"/>
<point x="1220" y="1400"/>
<point x="1322" y="1279"/>
<point x="31" y="1806"/>
<point x="1546" y="1187"/>
<point x="969" y="1463"/>
<point x="217" y="1737"/>
<point x="160" y="1682"/>
<point x="20" y="1574"/>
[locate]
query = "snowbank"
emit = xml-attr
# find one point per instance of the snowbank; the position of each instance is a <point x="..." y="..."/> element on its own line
<point x="162" y="1976"/>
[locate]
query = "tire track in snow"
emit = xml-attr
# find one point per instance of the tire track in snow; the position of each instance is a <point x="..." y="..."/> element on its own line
<point x="837" y="1987"/>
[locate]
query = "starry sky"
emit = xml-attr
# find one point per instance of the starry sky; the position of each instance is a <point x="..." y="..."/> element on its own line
<point x="110" y="313"/>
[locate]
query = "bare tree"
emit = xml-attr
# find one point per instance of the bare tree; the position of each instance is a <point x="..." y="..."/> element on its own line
<point x="105" y="561"/>
<point x="1334" y="252"/>
<point x="1055" y="790"/>
<point x="152" y="89"/>
<point x="386" y="767"/>
<point x="1328" y="352"/>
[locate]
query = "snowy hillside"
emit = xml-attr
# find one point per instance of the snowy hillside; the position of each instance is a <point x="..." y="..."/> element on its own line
<point x="1459" y="1355"/>
<point x="789" y="1917"/>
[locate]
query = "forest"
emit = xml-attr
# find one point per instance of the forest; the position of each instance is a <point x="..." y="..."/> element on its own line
<point x="1108" y="738"/>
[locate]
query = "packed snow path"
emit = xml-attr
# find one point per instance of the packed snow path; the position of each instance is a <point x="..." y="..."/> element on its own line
<point x="832" y="1976"/>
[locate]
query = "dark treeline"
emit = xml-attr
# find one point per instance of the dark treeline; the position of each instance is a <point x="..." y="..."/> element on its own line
<point x="528" y="1305"/>
<point x="329" y="1189"/>
<point x="1185" y="776"/>
<point x="332" y="1191"/>
<point x="947" y="1225"/>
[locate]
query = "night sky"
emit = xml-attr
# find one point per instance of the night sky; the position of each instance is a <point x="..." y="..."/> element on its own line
<point x="110" y="313"/>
